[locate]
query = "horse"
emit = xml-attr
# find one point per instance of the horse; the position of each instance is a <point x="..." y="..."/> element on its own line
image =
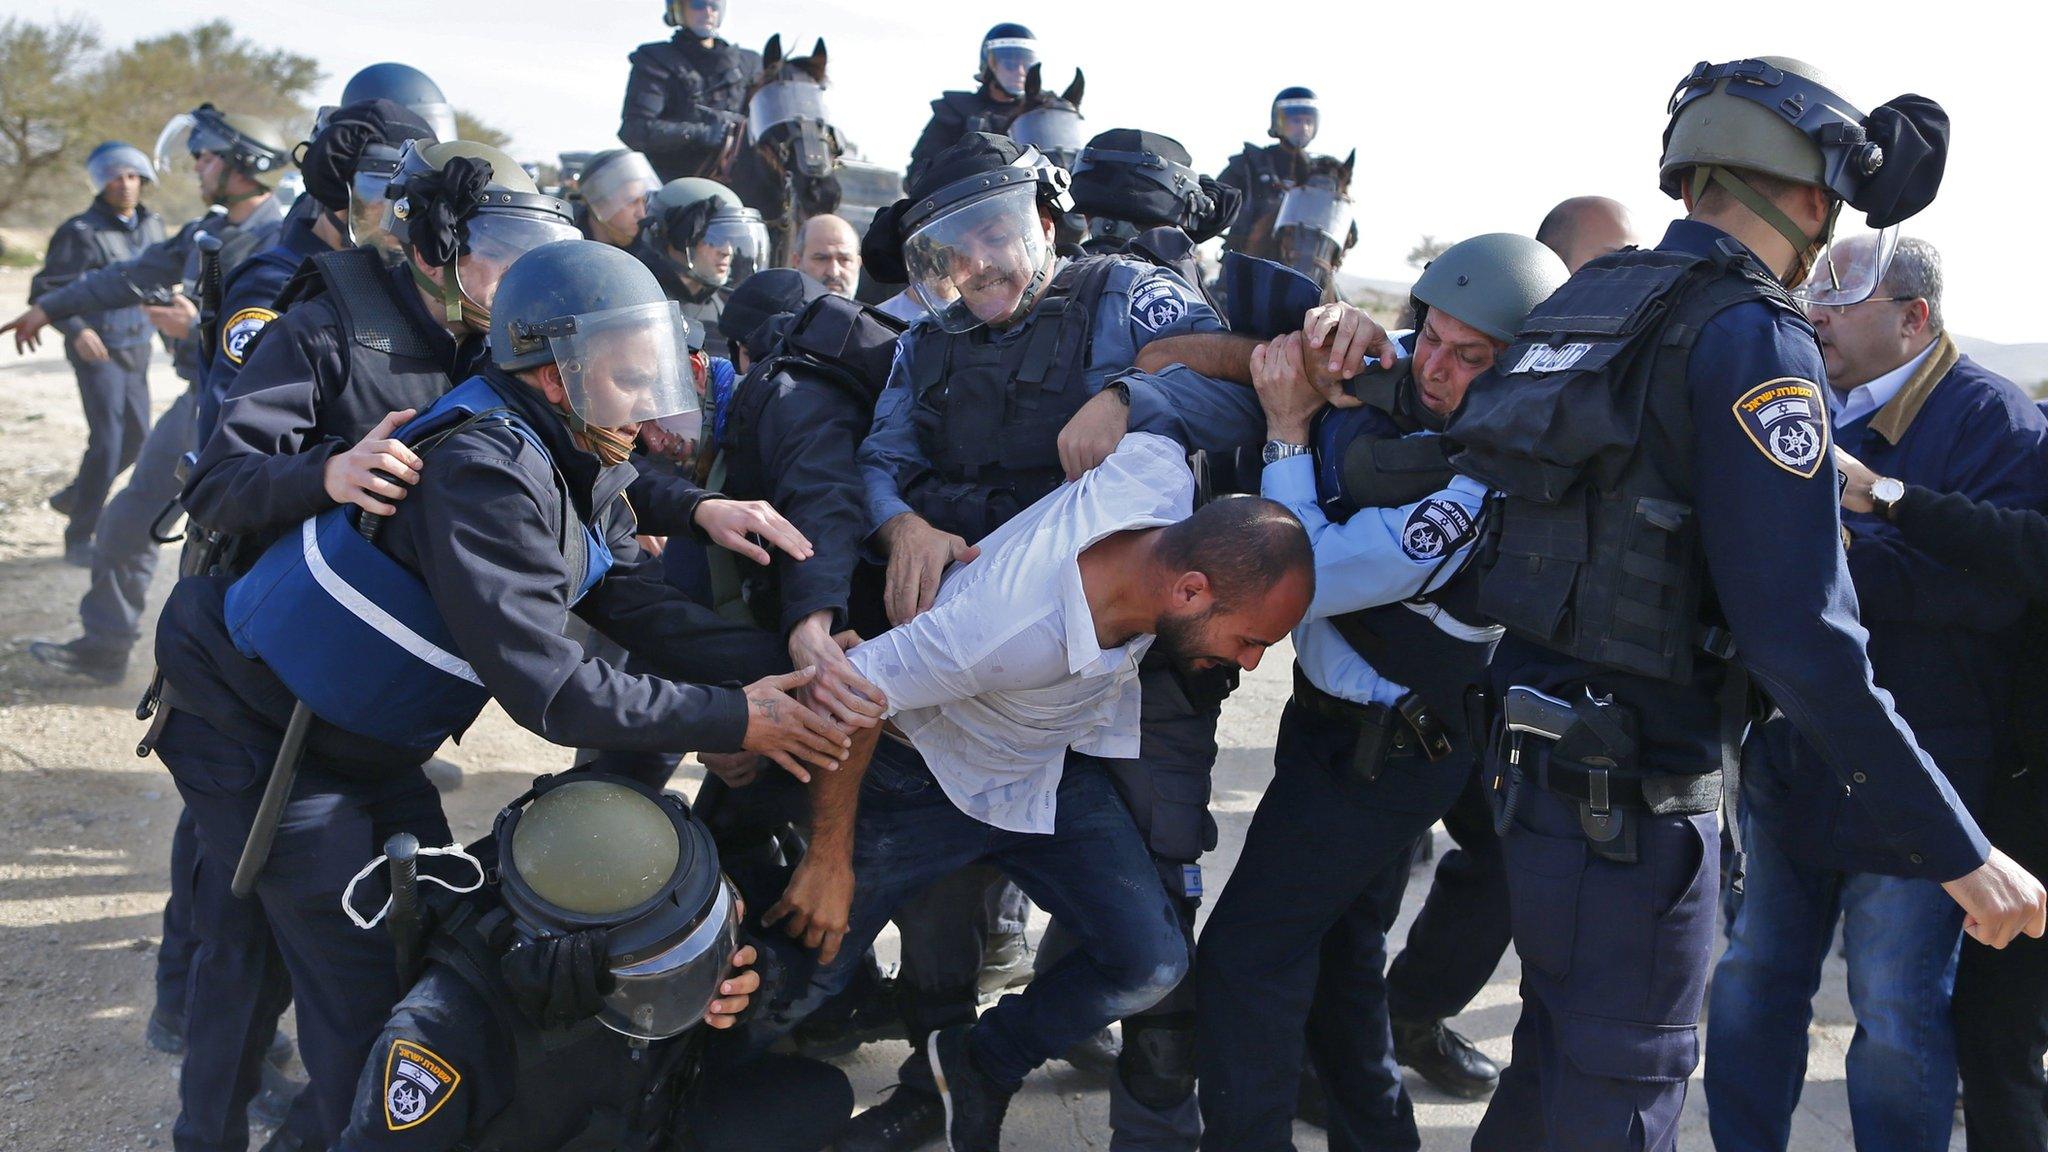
<point x="787" y="167"/>
<point x="1049" y="121"/>
<point x="1310" y="228"/>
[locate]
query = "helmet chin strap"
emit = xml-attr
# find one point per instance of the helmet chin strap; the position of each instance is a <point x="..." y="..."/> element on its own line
<point x="457" y="306"/>
<point x="1806" y="249"/>
<point x="609" y="445"/>
<point x="1039" y="279"/>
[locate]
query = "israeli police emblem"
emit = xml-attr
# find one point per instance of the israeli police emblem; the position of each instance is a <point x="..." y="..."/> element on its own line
<point x="1435" y="529"/>
<point x="1156" y="303"/>
<point x="242" y="328"/>
<point x="416" y="1084"/>
<point x="1787" y="420"/>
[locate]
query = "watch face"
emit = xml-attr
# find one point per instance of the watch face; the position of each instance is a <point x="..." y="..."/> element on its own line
<point x="1887" y="490"/>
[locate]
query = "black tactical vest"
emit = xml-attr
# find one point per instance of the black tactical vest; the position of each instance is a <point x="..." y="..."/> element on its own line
<point x="988" y="414"/>
<point x="391" y="364"/>
<point x="1585" y="425"/>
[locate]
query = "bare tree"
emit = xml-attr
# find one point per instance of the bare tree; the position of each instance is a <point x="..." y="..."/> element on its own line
<point x="44" y="113"/>
<point x="1429" y="248"/>
<point x="469" y="126"/>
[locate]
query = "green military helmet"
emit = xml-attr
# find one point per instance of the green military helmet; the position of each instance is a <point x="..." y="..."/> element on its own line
<point x="251" y="145"/>
<point x="1491" y="282"/>
<point x="494" y="224"/>
<point x="594" y="847"/>
<point x="1718" y="128"/>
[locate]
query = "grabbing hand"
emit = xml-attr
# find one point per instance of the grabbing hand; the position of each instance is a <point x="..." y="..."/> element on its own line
<point x="816" y="904"/>
<point x="1289" y="399"/>
<point x="787" y="731"/>
<point x="729" y="523"/>
<point x="1857" y="479"/>
<point x="839" y="689"/>
<point x="1340" y="339"/>
<point x="89" y="346"/>
<point x="1093" y="432"/>
<point x="175" y="319"/>
<point x="28" y="328"/>
<point x="918" y="555"/>
<point x="737" y="990"/>
<point x="2000" y="900"/>
<point x="376" y="466"/>
<point x="652" y="545"/>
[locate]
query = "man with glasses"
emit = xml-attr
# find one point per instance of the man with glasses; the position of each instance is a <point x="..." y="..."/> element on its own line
<point x="1943" y="642"/>
<point x="686" y="99"/>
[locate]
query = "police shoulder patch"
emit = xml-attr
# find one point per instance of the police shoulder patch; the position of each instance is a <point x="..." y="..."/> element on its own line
<point x="1156" y="302"/>
<point x="1787" y="419"/>
<point x="241" y="328"/>
<point x="1436" y="528"/>
<point x="416" y="1084"/>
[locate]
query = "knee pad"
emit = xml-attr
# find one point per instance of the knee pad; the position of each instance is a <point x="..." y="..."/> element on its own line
<point x="1157" y="1064"/>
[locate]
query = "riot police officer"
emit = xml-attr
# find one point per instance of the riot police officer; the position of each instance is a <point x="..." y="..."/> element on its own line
<point x="612" y="193"/>
<point x="701" y="242"/>
<point x="560" y="1006"/>
<point x="1263" y="173"/>
<point x="1008" y="52"/>
<point x="515" y="520"/>
<point x="401" y="84"/>
<point x="1669" y="533"/>
<point x="109" y="350"/>
<point x="237" y="160"/>
<point x="686" y="99"/>
<point x="1374" y="746"/>
<point x="1141" y="196"/>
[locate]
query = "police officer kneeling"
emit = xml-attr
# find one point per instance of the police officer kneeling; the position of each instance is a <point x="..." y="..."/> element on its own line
<point x="396" y="643"/>
<point x="559" y="1006"/>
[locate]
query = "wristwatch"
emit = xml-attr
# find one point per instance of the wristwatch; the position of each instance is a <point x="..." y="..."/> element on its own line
<point x="1885" y="494"/>
<point x="1278" y="450"/>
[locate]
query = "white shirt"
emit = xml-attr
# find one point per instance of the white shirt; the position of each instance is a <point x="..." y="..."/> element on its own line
<point x="1867" y="398"/>
<point x="1004" y="674"/>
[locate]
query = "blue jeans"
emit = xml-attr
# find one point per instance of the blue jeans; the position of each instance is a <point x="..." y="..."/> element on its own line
<point x="1902" y="938"/>
<point x="1092" y="874"/>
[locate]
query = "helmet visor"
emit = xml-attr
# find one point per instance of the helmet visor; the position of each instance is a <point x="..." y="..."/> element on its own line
<point x="1850" y="267"/>
<point x="177" y="147"/>
<point x="734" y="246"/>
<point x="367" y="208"/>
<point x="784" y="102"/>
<point x="491" y="241"/>
<point x="617" y="193"/>
<point x="702" y="17"/>
<point x="625" y="365"/>
<point x="1317" y="210"/>
<point x="109" y="163"/>
<point x="975" y="262"/>
<point x="1008" y="60"/>
<point x="668" y="993"/>
<point x="1060" y="133"/>
<point x="1296" y="121"/>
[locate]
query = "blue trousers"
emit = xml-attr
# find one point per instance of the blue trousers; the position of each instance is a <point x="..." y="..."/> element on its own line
<point x="1092" y="873"/>
<point x="1461" y="932"/>
<point x="1902" y="938"/>
<point x="1298" y="944"/>
<point x="344" y="980"/>
<point x="115" y="397"/>
<point x="1614" y="967"/>
<point x="123" y="554"/>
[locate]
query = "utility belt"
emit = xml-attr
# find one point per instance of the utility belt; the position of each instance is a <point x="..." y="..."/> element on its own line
<point x="1586" y="750"/>
<point x="1407" y="728"/>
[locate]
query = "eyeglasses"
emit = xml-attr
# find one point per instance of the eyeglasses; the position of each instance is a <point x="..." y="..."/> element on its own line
<point x="1853" y="303"/>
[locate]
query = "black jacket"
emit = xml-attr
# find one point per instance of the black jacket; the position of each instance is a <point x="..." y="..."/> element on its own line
<point x="682" y="101"/>
<point x="96" y="238"/>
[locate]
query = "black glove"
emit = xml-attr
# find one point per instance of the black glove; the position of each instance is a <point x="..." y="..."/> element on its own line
<point x="328" y="161"/>
<point x="560" y="980"/>
<point x="881" y="250"/>
<point x="1913" y="131"/>
<point x="440" y="201"/>
<point x="1212" y="209"/>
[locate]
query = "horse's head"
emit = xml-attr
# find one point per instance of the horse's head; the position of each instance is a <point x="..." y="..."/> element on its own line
<point x="1313" y="227"/>
<point x="1051" y="122"/>
<point x="790" y="131"/>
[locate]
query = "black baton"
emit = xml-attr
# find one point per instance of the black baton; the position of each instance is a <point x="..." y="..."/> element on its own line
<point x="402" y="851"/>
<point x="256" y="850"/>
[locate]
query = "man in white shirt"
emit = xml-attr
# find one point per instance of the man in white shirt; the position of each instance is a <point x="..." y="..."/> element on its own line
<point x="1009" y="691"/>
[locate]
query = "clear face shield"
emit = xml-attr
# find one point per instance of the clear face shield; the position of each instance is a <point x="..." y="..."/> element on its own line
<point x="1295" y="122"/>
<point x="184" y="139"/>
<point x="978" y="262"/>
<point x="617" y="193"/>
<point x="667" y="994"/>
<point x="1059" y="133"/>
<point x="1008" y="60"/>
<point x="701" y="18"/>
<point x="367" y="207"/>
<point x="734" y="246"/>
<point x="1850" y="267"/>
<point x="491" y="241"/>
<point x="625" y="366"/>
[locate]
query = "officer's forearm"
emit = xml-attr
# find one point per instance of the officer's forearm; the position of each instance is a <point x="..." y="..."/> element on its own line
<point x="2008" y="545"/>
<point x="1218" y="355"/>
<point x="835" y="801"/>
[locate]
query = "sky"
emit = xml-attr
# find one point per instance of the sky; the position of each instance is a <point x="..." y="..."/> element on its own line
<point x="1467" y="117"/>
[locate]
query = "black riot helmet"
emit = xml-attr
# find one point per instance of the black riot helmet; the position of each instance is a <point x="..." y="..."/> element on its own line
<point x="1134" y="180"/>
<point x="765" y="295"/>
<point x="973" y="247"/>
<point x="402" y="84"/>
<point x="350" y="160"/>
<point x="585" y="850"/>
<point x="459" y="199"/>
<point x="1007" y="53"/>
<point x="1295" y="117"/>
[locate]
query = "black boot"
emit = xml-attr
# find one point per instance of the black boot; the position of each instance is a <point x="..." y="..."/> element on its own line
<point x="165" y="1031"/>
<point x="910" y="1118"/>
<point x="1444" y="1058"/>
<point x="975" y="1103"/>
<point x="1311" y="1105"/>
<point x="74" y="657"/>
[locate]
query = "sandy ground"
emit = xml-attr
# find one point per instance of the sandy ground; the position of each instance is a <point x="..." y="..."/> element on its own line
<point x="85" y="827"/>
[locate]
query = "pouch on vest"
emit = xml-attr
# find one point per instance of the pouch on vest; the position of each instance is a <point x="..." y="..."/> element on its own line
<point x="354" y="634"/>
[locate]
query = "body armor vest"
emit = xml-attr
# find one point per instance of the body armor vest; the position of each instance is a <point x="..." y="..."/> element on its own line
<point x="988" y="414"/>
<point x="119" y="327"/>
<point x="389" y="364"/>
<point x="978" y="113"/>
<point x="1585" y="427"/>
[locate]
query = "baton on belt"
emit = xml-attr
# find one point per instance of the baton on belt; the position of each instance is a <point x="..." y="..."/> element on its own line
<point x="402" y="851"/>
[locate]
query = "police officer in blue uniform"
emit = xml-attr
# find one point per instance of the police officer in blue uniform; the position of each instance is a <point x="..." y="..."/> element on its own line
<point x="109" y="351"/>
<point x="1374" y="746"/>
<point x="237" y="160"/>
<point x="514" y="519"/>
<point x="400" y="84"/>
<point x="1002" y="66"/>
<point x="686" y="99"/>
<point x="967" y="434"/>
<point x="611" y="196"/>
<point x="525" y="1034"/>
<point x="1669" y="533"/>
<point x="1263" y="174"/>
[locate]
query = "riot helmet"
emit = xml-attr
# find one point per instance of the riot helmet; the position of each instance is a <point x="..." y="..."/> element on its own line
<point x="1295" y="117"/>
<point x="614" y="185"/>
<point x="1490" y="282"/>
<point x="468" y="211"/>
<point x="112" y="159"/>
<point x="1007" y="53"/>
<point x="974" y="245"/>
<point x="700" y="18"/>
<point x="1127" y="180"/>
<point x="350" y="160"/>
<point x="1782" y="118"/>
<point x="767" y="294"/>
<point x="702" y="229"/>
<point x="598" y="315"/>
<point x="583" y="851"/>
<point x="400" y="84"/>
<point x="248" y="145"/>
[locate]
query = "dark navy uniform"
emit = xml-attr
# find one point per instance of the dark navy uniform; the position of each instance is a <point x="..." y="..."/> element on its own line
<point x="683" y="100"/>
<point x="248" y="299"/>
<point x="954" y="115"/>
<point x="482" y="531"/>
<point x="115" y="392"/>
<point x="1263" y="175"/>
<point x="1625" y="543"/>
